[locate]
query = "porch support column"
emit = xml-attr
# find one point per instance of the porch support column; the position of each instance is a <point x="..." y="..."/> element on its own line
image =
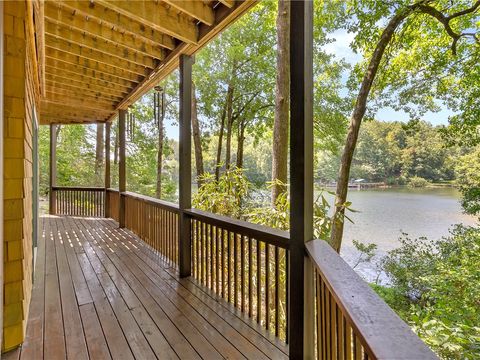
<point x="122" y="180"/>
<point x="107" y="169"/>
<point x="185" y="171"/>
<point x="53" y="168"/>
<point x="300" y="332"/>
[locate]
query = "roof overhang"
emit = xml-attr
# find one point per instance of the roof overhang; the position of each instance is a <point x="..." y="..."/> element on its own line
<point x="99" y="56"/>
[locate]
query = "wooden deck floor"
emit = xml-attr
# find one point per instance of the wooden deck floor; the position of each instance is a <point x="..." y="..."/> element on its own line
<point x="101" y="293"/>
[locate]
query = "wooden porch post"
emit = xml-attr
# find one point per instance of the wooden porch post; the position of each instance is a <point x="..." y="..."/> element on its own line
<point x="185" y="171"/>
<point x="122" y="181"/>
<point x="107" y="169"/>
<point x="53" y="168"/>
<point x="300" y="336"/>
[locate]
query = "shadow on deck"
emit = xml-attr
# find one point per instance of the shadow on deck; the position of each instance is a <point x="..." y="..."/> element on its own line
<point x="101" y="292"/>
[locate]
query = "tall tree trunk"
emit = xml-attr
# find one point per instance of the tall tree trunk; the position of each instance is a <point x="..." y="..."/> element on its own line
<point x="158" y="190"/>
<point x="228" y="145"/>
<point x="99" y="149"/>
<point x="280" y="126"/>
<point x="240" y="143"/>
<point x="197" y="138"/>
<point x="220" y="142"/>
<point x="115" y="148"/>
<point x="355" y="122"/>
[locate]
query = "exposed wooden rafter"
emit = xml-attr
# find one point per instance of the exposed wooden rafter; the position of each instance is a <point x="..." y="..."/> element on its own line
<point x="76" y="37"/>
<point x="103" y="30"/>
<point x="102" y="55"/>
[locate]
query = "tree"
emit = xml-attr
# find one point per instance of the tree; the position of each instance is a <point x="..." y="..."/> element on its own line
<point x="197" y="142"/>
<point x="282" y="90"/>
<point x="411" y="23"/>
<point x="99" y="149"/>
<point x="468" y="180"/>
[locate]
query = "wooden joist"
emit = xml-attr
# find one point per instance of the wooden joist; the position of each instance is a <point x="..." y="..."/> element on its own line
<point x="105" y="54"/>
<point x="83" y="81"/>
<point x="94" y="97"/>
<point x="120" y="22"/>
<point x="59" y="82"/>
<point x="84" y="40"/>
<point x="87" y="53"/>
<point x="108" y="32"/>
<point x="79" y="62"/>
<point x="196" y="9"/>
<point x="156" y="16"/>
<point x="228" y="3"/>
<point x="54" y="108"/>
<point x="86" y="75"/>
<point x="78" y="102"/>
<point x="87" y="93"/>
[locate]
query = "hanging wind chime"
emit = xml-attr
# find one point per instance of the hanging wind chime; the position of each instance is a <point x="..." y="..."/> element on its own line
<point x="131" y="124"/>
<point x="158" y="107"/>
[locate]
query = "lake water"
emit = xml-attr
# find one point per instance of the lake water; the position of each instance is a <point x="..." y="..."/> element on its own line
<point x="383" y="214"/>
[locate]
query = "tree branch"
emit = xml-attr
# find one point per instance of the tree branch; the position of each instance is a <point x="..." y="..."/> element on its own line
<point x="445" y="21"/>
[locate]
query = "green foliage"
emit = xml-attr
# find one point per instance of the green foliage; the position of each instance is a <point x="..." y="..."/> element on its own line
<point x="366" y="252"/>
<point x="393" y="152"/>
<point x="468" y="181"/>
<point x="435" y="286"/>
<point x="226" y="197"/>
<point x="417" y="182"/>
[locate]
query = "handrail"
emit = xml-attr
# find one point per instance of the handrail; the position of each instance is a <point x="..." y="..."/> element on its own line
<point x="269" y="235"/>
<point x="162" y="203"/>
<point x="79" y="188"/>
<point x="382" y="334"/>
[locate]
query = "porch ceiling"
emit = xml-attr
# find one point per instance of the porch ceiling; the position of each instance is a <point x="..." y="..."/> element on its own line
<point x="102" y="55"/>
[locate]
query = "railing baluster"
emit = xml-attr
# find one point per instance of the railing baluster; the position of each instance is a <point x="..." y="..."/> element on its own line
<point x="267" y="286"/>
<point x="242" y="269"/>
<point x="277" y="295"/>
<point x="250" y="280"/>
<point x="259" y="283"/>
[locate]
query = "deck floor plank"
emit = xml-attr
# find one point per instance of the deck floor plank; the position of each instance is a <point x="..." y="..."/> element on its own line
<point x="101" y="293"/>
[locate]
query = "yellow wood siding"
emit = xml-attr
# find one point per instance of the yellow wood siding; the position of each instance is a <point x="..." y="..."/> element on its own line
<point x="19" y="98"/>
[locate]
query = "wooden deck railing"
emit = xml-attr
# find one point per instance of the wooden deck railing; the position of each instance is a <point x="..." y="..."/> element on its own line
<point x="247" y="265"/>
<point x="112" y="204"/>
<point x="352" y="321"/>
<point x="79" y="201"/>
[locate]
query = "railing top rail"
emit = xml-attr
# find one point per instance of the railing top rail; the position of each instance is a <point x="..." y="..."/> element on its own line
<point x="264" y="233"/>
<point x="79" y="188"/>
<point x="383" y="333"/>
<point x="161" y="203"/>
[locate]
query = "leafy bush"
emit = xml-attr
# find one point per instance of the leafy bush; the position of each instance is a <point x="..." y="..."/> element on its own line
<point x="440" y="281"/>
<point x="417" y="182"/>
<point x="227" y="196"/>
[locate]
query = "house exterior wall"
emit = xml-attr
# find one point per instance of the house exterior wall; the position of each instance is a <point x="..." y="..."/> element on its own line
<point x="20" y="95"/>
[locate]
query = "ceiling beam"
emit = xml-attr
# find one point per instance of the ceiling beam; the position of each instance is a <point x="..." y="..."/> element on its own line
<point x="74" y="49"/>
<point x="228" y="3"/>
<point x="58" y="81"/>
<point x="85" y="74"/>
<point x="105" y="31"/>
<point x="81" y="101"/>
<point x="58" y="55"/>
<point x="77" y="37"/>
<point x="72" y="91"/>
<point x="119" y="22"/>
<point x="64" y="111"/>
<point x="46" y="119"/>
<point x="157" y="16"/>
<point x="81" y="95"/>
<point x="58" y="64"/>
<point x="196" y="9"/>
<point x="77" y="102"/>
<point x="61" y="74"/>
